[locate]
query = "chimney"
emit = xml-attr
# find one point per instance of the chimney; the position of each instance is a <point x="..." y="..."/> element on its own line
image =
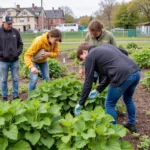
<point x="53" y="9"/>
<point x="33" y="5"/>
<point x="18" y="6"/>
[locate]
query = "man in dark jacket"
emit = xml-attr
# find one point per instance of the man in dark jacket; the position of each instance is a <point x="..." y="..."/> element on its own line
<point x="11" y="46"/>
<point x="121" y="74"/>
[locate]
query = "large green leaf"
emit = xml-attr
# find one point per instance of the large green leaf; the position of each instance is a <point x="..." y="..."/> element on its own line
<point x="98" y="144"/>
<point x="43" y="108"/>
<point x="54" y="110"/>
<point x="11" y="133"/>
<point x="80" y="125"/>
<point x="19" y="119"/>
<point x="3" y="143"/>
<point x="112" y="144"/>
<point x="47" y="121"/>
<point x="21" y="145"/>
<point x="119" y="130"/>
<point x="2" y="121"/>
<point x="64" y="146"/>
<point x="65" y="139"/>
<point x="48" y="141"/>
<point x="57" y="93"/>
<point x="33" y="137"/>
<point x="44" y="97"/>
<point x="126" y="146"/>
<point x="89" y="134"/>
<point x="55" y="128"/>
<point x="80" y="142"/>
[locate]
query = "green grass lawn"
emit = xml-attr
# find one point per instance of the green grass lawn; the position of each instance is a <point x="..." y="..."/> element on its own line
<point x="69" y="46"/>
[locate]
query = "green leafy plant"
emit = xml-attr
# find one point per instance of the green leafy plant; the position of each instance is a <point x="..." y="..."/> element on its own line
<point x="72" y="55"/>
<point x="142" y="58"/>
<point x="146" y="80"/>
<point x="136" y="135"/>
<point x="148" y="113"/>
<point x="26" y="125"/>
<point x="144" y="143"/>
<point x="91" y="131"/>
<point x="132" y="45"/>
<point x="56" y="70"/>
<point x="77" y="62"/>
<point x="121" y="46"/>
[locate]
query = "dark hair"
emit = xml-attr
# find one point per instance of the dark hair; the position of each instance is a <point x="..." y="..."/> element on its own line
<point x="55" y="33"/>
<point x="95" y="25"/>
<point x="81" y="47"/>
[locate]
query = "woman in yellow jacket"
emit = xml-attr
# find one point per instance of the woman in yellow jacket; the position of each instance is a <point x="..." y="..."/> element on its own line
<point x="35" y="57"/>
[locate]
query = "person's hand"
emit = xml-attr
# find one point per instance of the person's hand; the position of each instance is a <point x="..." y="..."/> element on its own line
<point x="34" y="70"/>
<point x="93" y="94"/>
<point x="45" y="54"/>
<point x="81" y="72"/>
<point x="96" y="75"/>
<point x="77" y="109"/>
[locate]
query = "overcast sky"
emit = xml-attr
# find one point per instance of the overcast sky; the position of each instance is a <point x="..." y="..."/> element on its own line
<point x="79" y="7"/>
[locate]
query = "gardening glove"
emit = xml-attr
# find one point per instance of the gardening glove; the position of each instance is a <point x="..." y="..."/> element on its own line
<point x="77" y="109"/>
<point x="96" y="75"/>
<point x="93" y="94"/>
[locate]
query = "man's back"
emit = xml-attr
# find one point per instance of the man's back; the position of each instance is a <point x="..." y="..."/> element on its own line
<point x="111" y="62"/>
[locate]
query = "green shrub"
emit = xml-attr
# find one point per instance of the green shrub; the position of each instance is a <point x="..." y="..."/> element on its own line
<point x="72" y="55"/>
<point x="56" y="70"/>
<point x="132" y="45"/>
<point x="144" y="143"/>
<point x="142" y="58"/>
<point x="121" y="46"/>
<point x="146" y="80"/>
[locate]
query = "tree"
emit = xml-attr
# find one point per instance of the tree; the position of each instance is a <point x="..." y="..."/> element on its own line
<point x="68" y="14"/>
<point x="84" y="21"/>
<point x="69" y="19"/>
<point x="142" y="6"/>
<point x="106" y="7"/>
<point x="126" y="17"/>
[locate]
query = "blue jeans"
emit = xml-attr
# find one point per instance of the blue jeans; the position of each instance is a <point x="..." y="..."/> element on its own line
<point x="4" y="69"/>
<point x="34" y="77"/>
<point x="127" y="90"/>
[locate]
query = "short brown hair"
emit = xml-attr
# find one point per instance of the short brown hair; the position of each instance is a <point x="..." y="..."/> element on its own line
<point x="81" y="47"/>
<point x="56" y="34"/>
<point x="95" y="25"/>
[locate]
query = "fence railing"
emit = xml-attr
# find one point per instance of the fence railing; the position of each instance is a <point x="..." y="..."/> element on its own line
<point x="80" y="35"/>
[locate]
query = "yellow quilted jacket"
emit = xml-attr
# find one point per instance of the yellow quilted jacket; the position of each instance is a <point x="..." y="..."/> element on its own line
<point x="40" y="42"/>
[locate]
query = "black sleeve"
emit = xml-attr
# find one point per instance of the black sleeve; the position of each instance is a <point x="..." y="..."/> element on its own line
<point x="89" y="73"/>
<point x="123" y="51"/>
<point x="105" y="82"/>
<point x="19" y="43"/>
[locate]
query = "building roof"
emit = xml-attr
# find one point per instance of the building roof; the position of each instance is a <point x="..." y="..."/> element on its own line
<point x="33" y="11"/>
<point x="144" y="24"/>
<point x="54" y="13"/>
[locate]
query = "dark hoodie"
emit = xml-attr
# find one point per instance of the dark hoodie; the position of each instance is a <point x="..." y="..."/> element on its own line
<point x="11" y="44"/>
<point x="108" y="61"/>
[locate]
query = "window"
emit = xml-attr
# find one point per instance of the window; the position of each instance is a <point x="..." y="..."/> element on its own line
<point x="24" y="13"/>
<point x="51" y="22"/>
<point x="28" y="19"/>
<point x="21" y="19"/>
<point x="8" y="13"/>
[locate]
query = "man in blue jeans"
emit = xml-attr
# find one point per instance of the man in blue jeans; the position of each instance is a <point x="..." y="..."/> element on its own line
<point x="11" y="46"/>
<point x="121" y="74"/>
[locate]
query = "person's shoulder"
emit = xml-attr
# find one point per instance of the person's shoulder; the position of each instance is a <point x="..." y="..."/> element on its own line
<point x="87" y="35"/>
<point x="15" y="30"/>
<point x="108" y="33"/>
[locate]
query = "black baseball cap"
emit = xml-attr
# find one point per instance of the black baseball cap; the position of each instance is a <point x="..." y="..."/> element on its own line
<point x="7" y="19"/>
